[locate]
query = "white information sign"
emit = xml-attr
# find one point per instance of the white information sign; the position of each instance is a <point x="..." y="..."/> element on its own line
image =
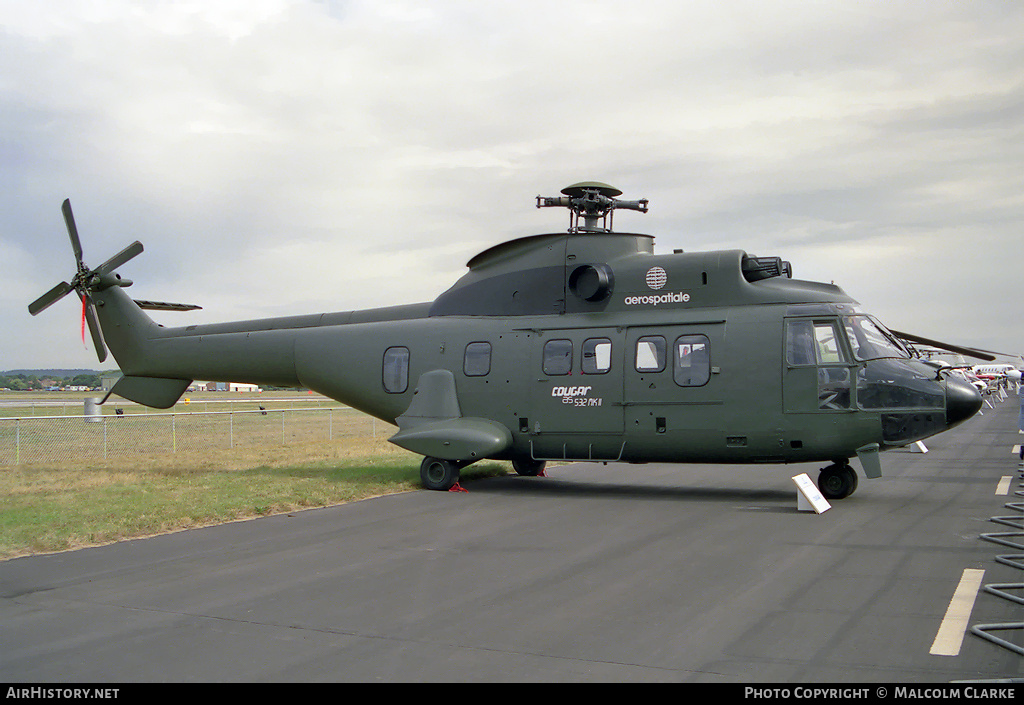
<point x="808" y="497"/>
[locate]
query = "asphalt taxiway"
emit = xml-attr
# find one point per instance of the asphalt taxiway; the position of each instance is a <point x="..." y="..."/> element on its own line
<point x="593" y="573"/>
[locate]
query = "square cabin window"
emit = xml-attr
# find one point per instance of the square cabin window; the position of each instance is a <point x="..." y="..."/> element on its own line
<point x="558" y="357"/>
<point x="650" y="354"/>
<point x="692" y="361"/>
<point x="477" y="360"/>
<point x="597" y="356"/>
<point x="396" y="370"/>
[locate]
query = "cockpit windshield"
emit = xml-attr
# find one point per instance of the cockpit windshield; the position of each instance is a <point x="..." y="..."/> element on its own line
<point x="871" y="341"/>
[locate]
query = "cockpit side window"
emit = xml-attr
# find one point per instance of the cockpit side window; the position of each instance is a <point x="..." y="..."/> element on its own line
<point x="813" y="343"/>
<point x="816" y="345"/>
<point x="871" y="341"/>
<point x="826" y="339"/>
<point x="800" y="343"/>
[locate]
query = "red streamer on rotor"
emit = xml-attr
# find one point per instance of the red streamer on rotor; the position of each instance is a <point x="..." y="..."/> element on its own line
<point x="83" y="320"/>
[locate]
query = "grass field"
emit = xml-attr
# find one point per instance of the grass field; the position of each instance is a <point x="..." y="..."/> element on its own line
<point x="82" y="501"/>
<point x="52" y="427"/>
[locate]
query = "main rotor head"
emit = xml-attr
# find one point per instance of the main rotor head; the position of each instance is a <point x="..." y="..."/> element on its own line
<point x="592" y="201"/>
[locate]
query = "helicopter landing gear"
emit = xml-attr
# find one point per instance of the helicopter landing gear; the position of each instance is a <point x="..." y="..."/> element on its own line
<point x="439" y="474"/>
<point x="837" y="481"/>
<point x="528" y="467"/>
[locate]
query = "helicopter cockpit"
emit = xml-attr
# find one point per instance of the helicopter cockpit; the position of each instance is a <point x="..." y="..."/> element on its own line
<point x="860" y="364"/>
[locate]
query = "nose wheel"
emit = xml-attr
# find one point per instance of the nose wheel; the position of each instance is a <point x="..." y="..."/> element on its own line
<point x="837" y="481"/>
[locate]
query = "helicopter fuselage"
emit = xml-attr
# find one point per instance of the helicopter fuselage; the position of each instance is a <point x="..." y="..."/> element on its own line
<point x="583" y="347"/>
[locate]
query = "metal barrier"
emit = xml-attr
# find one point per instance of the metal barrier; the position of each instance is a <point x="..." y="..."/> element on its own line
<point x="1014" y="560"/>
<point x="57" y="439"/>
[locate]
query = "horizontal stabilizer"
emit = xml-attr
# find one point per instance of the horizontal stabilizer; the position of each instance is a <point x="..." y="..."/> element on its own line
<point x="157" y="392"/>
<point x="164" y="306"/>
<point x="455" y="439"/>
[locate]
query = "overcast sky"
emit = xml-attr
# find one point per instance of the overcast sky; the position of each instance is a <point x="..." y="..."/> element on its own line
<point x="281" y="157"/>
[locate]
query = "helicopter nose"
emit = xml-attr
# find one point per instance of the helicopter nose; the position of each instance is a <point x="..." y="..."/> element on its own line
<point x="962" y="401"/>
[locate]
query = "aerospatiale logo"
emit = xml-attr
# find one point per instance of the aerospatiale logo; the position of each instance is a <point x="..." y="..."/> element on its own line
<point x="656" y="279"/>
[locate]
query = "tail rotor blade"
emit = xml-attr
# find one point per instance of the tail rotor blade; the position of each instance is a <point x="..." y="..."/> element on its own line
<point x="69" y="220"/>
<point x="133" y="250"/>
<point x="94" y="329"/>
<point x="50" y="298"/>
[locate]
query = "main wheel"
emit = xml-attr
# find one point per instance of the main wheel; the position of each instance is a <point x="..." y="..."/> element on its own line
<point x="528" y="466"/>
<point x="837" y="481"/>
<point x="438" y="474"/>
<point x="853" y="479"/>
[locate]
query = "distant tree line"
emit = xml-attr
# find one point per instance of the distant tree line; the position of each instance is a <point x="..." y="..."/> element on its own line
<point x="21" y="382"/>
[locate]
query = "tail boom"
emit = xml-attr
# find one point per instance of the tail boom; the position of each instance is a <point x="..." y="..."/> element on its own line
<point x="174" y="357"/>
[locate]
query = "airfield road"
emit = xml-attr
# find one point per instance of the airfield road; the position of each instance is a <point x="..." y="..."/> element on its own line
<point x="594" y="573"/>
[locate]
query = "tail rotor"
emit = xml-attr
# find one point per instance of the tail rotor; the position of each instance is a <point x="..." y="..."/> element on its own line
<point x="86" y="281"/>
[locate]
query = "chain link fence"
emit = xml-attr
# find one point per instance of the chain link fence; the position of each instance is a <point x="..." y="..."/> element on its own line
<point x="113" y="432"/>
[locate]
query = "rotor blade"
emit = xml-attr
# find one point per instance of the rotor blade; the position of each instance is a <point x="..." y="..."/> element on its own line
<point x="133" y="250"/>
<point x="69" y="220"/>
<point x="164" y="306"/>
<point x="94" y="329"/>
<point x="50" y="298"/>
<point x="947" y="346"/>
<point x="972" y="352"/>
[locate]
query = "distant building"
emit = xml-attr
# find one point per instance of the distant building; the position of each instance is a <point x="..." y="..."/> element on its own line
<point x="109" y="379"/>
<point x="224" y="387"/>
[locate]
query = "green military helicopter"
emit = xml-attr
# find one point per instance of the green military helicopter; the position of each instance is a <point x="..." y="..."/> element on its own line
<point x="582" y="345"/>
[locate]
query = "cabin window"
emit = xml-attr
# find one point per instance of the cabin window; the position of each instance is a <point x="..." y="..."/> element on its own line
<point x="597" y="356"/>
<point x="477" y="360"/>
<point x="692" y="362"/>
<point x="396" y="370"/>
<point x="650" y="354"/>
<point x="558" y="357"/>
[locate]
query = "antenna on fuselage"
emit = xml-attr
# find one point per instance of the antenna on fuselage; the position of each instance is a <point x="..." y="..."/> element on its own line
<point x="592" y="201"/>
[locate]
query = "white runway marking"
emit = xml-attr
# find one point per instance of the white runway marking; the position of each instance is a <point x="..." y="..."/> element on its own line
<point x="954" y="624"/>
